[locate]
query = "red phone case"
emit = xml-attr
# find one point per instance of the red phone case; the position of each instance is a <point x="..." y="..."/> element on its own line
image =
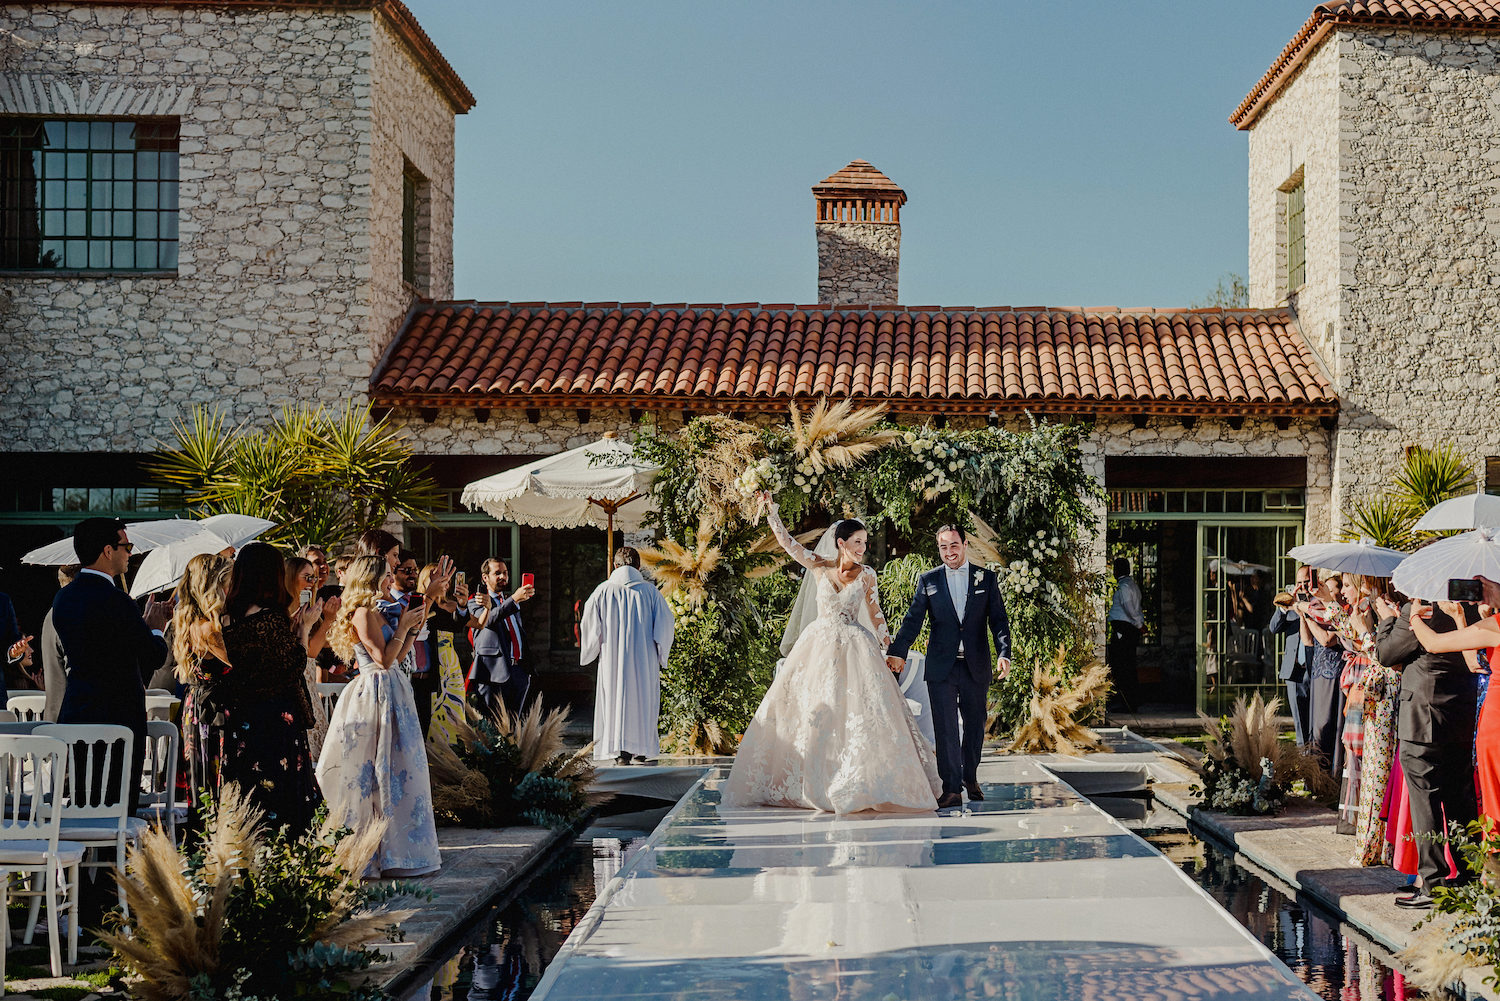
<point x="528" y="580"/>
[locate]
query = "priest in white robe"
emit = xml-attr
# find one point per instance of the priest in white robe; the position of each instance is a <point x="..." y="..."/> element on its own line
<point x="628" y="626"/>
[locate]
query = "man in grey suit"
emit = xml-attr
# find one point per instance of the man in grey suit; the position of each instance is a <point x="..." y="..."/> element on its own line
<point x="499" y="640"/>
<point x="1297" y="654"/>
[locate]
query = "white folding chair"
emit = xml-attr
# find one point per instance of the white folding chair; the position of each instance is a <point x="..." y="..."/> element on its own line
<point x="31" y="777"/>
<point x="88" y="818"/>
<point x="6" y="716"/>
<point x="28" y="706"/>
<point x="158" y="801"/>
<point x="161" y="707"/>
<point x="328" y="693"/>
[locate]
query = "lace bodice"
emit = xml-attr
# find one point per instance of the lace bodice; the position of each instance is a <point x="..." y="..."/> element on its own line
<point x="840" y="603"/>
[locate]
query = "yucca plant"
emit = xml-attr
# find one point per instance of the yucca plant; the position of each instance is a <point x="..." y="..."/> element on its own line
<point x="1386" y="520"/>
<point x="323" y="476"/>
<point x="1057" y="703"/>
<point x="1429" y="476"/>
<point x="250" y="914"/>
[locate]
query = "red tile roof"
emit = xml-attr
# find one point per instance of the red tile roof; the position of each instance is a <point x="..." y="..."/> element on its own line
<point x="749" y="356"/>
<point x="1446" y="15"/>
<point x="859" y="177"/>
<point x="401" y="19"/>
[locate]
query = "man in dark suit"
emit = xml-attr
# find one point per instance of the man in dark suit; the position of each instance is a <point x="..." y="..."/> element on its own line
<point x="964" y="605"/>
<point x="499" y="640"/>
<point x="1435" y="728"/>
<point x="1296" y="656"/>
<point x="111" y="649"/>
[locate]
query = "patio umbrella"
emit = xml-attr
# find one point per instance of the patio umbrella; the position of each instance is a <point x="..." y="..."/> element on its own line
<point x="1363" y="557"/>
<point x="144" y="535"/>
<point x="602" y="484"/>
<point x="236" y="529"/>
<point x="164" y="566"/>
<point x="1425" y="573"/>
<point x="1476" y="510"/>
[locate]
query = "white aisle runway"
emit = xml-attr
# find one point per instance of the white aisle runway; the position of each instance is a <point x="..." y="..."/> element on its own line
<point x="1034" y="894"/>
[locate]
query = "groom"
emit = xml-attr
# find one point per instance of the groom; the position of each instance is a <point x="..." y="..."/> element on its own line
<point x="963" y="602"/>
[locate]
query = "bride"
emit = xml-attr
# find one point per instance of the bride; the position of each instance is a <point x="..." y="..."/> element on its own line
<point x="834" y="732"/>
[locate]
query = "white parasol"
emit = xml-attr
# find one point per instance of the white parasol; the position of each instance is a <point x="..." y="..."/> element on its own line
<point x="1425" y="573"/>
<point x="1362" y="557"/>
<point x="164" y="566"/>
<point x="143" y="535"/>
<point x="1476" y="510"/>
<point x="602" y="484"/>
<point x="236" y="529"/>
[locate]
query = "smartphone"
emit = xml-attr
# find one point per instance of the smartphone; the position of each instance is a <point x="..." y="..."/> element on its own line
<point x="528" y="580"/>
<point x="1465" y="589"/>
<point x="305" y="597"/>
<point x="461" y="580"/>
<point x="415" y="600"/>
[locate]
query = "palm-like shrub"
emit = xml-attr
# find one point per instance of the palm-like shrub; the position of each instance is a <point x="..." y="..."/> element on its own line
<point x="323" y="476"/>
<point x="1385" y="520"/>
<point x="1427" y="476"/>
<point x="254" y="915"/>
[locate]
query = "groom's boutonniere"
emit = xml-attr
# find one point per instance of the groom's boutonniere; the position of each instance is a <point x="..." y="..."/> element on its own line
<point x="978" y="577"/>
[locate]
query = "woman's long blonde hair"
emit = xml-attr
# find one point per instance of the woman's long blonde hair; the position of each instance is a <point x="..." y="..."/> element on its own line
<point x="200" y="602"/>
<point x="361" y="588"/>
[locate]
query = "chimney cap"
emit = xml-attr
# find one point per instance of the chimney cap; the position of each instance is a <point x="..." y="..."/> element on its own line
<point x="859" y="179"/>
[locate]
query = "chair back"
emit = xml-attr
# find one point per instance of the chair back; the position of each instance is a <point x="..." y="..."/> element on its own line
<point x="21" y="728"/>
<point x="95" y="752"/>
<point x="31" y="770"/>
<point x="6" y="716"/>
<point x="161" y="691"/>
<point x="160" y="707"/>
<point x="159" y="775"/>
<point x="28" y="706"/>
<point x="328" y="693"/>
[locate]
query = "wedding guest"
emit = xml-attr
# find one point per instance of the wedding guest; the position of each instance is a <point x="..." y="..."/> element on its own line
<point x="110" y="646"/>
<point x="1355" y="627"/>
<point x="318" y="557"/>
<point x="628" y="627"/>
<point x="447" y="617"/>
<point x="379" y="542"/>
<point x="264" y="698"/>
<point x="1325" y="714"/>
<point x="499" y="641"/>
<point x="54" y="660"/>
<point x="380" y="773"/>
<point x="1126" y="622"/>
<point x="1296" y="655"/>
<point x="198" y="651"/>
<point x="302" y="582"/>
<point x="17" y="646"/>
<point x="1435" y="729"/>
<point x="1382" y="690"/>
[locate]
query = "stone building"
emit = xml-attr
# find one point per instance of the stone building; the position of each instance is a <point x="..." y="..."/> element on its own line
<point x="301" y="250"/>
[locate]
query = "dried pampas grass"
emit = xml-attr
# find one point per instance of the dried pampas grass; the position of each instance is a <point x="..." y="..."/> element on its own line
<point x="701" y="739"/>
<point x="1056" y="704"/>
<point x="678" y="569"/>
<point x="1254" y="734"/>
<point x="835" y="436"/>
<point x="1431" y="961"/>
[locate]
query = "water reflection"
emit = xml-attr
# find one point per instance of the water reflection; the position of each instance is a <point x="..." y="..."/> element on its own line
<point x="507" y="949"/>
<point x="1308" y="940"/>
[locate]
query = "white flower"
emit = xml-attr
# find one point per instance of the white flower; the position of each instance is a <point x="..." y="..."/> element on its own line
<point x="978" y="576"/>
<point x="1041" y="533"/>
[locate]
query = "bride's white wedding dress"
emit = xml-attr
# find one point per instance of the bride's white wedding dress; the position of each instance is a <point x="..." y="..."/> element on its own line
<point x="834" y="732"/>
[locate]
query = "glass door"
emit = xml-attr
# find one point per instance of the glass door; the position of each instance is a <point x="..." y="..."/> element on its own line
<point x="1241" y="566"/>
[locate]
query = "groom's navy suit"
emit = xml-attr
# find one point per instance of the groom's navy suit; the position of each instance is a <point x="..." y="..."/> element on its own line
<point x="957" y="685"/>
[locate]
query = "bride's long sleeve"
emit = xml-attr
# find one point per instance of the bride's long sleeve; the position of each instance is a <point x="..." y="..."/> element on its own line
<point x="794" y="549"/>
<point x="872" y="600"/>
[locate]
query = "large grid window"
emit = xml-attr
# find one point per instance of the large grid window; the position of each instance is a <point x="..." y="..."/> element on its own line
<point x="88" y="194"/>
<point x="1296" y="239"/>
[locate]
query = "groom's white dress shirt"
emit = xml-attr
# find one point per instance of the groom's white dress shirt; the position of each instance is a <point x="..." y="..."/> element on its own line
<point x="958" y="589"/>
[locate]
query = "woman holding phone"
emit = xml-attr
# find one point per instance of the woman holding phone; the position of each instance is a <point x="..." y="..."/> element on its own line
<point x="379" y="774"/>
<point x="447" y="619"/>
<point x="302" y="581"/>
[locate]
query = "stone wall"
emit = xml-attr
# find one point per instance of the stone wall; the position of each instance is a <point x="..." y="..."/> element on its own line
<point x="273" y="301"/>
<point x="1420" y="284"/>
<point x="859" y="262"/>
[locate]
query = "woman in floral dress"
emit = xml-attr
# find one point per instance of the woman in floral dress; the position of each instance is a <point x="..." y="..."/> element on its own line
<point x="198" y="652"/>
<point x="262" y="694"/>
<point x="1381" y="686"/>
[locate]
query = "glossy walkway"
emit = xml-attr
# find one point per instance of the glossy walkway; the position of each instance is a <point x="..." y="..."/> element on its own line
<point x="1035" y="894"/>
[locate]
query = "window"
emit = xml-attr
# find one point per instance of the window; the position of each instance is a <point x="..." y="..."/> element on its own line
<point x="1492" y="475"/>
<point x="1296" y="238"/>
<point x="408" y="227"/>
<point x="88" y="194"/>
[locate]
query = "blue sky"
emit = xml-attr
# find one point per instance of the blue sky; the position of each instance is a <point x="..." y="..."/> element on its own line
<point x="1054" y="153"/>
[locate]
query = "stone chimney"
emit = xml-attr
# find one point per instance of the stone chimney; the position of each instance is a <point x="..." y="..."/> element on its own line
<point x="859" y="237"/>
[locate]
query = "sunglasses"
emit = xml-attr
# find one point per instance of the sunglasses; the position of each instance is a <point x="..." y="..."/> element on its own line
<point x="129" y="547"/>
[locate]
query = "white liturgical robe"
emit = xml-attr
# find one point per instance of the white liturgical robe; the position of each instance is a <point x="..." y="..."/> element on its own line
<point x="628" y="626"/>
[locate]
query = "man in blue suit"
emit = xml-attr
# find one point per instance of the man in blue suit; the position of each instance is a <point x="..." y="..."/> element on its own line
<point x="499" y="640"/>
<point x="963" y="603"/>
<point x="111" y="649"/>
<point x="1297" y="655"/>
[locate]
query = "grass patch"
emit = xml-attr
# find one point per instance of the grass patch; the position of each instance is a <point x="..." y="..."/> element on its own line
<point x="100" y="978"/>
<point x="62" y="993"/>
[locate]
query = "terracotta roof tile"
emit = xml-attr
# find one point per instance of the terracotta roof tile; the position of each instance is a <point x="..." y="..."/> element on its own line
<point x="859" y="175"/>
<point x="749" y="357"/>
<point x="1450" y="15"/>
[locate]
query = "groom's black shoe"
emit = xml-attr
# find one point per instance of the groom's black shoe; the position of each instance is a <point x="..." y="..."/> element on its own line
<point x="972" y="788"/>
<point x="948" y="800"/>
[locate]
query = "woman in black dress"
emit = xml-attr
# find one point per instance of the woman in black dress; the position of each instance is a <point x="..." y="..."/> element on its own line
<point x="200" y="661"/>
<point x="263" y="698"/>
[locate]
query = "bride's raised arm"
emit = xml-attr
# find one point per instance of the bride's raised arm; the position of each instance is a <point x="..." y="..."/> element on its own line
<point x="872" y="601"/>
<point x="794" y="549"/>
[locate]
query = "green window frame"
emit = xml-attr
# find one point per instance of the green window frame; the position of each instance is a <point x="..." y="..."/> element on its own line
<point x="1296" y="238"/>
<point x="88" y="194"/>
